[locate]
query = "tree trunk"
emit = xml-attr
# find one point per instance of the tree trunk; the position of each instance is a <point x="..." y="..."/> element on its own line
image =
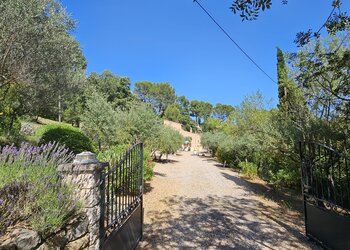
<point x="10" y="125"/>
<point x="59" y="109"/>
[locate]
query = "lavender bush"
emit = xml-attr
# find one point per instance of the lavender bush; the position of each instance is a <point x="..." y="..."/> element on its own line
<point x="31" y="189"/>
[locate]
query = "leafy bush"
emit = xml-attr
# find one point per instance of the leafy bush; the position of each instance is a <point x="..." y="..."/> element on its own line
<point x="140" y="123"/>
<point x="226" y="152"/>
<point x="168" y="141"/>
<point x="213" y="140"/>
<point x="99" y="120"/>
<point x="285" y="177"/>
<point x="31" y="189"/>
<point x="249" y="169"/>
<point x="66" y="135"/>
<point x="112" y="155"/>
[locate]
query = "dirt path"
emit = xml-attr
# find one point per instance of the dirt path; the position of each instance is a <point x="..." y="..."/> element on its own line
<point x="193" y="203"/>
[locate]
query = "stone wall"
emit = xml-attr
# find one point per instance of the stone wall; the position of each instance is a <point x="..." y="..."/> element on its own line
<point x="74" y="235"/>
<point x="83" y="231"/>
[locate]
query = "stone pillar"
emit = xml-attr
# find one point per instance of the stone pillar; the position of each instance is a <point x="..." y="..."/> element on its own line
<point x="84" y="175"/>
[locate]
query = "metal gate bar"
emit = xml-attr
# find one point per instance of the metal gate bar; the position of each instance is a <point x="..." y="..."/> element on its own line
<point x="326" y="195"/>
<point x="122" y="201"/>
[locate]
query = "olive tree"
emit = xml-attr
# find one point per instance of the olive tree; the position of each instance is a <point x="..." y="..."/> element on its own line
<point x="37" y="53"/>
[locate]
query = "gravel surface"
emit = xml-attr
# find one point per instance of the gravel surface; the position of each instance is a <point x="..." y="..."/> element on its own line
<point x="193" y="203"/>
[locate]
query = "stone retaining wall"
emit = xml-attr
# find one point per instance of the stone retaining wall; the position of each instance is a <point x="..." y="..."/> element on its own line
<point x="74" y="235"/>
<point x="83" y="231"/>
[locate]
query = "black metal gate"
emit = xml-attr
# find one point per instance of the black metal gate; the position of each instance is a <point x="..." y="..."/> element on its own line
<point x="326" y="193"/>
<point x="122" y="187"/>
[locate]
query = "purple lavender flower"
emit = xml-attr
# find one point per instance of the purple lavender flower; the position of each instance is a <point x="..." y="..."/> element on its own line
<point x="1" y="202"/>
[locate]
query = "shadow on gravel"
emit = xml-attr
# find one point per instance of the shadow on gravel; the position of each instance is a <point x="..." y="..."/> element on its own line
<point x="147" y="187"/>
<point x="208" y="159"/>
<point x="222" y="223"/>
<point x="166" y="161"/>
<point x="159" y="174"/>
<point x="287" y="198"/>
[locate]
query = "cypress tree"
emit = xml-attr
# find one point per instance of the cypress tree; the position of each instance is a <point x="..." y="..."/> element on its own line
<point x="282" y="77"/>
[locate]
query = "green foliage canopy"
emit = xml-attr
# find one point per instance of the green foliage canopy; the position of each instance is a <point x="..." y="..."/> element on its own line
<point x="99" y="120"/>
<point x="40" y="58"/>
<point x="168" y="141"/>
<point x="159" y="95"/>
<point x="116" y="89"/>
<point x="173" y="113"/>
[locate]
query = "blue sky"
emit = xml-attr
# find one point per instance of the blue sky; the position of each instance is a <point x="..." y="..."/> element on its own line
<point x="174" y="41"/>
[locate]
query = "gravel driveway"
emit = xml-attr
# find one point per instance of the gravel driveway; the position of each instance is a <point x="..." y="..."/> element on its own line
<point x="193" y="203"/>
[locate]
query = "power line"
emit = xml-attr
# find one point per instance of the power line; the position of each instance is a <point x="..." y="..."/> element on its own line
<point x="237" y="45"/>
<point x="329" y="17"/>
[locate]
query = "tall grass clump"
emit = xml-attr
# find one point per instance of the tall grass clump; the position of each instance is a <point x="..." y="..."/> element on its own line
<point x="31" y="190"/>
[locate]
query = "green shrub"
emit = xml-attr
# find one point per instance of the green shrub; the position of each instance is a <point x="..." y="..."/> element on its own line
<point x="286" y="178"/>
<point x="66" y="135"/>
<point x="212" y="141"/>
<point x="249" y="169"/>
<point x="168" y="141"/>
<point x="227" y="153"/>
<point x="112" y="155"/>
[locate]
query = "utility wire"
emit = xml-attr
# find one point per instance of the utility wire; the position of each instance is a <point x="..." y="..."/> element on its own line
<point x="329" y="17"/>
<point x="237" y="45"/>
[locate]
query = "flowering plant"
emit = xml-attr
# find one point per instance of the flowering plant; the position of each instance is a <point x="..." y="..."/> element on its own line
<point x="31" y="190"/>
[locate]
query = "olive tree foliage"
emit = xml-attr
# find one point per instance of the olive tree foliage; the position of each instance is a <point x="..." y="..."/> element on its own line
<point x="108" y="126"/>
<point x="38" y="56"/>
<point x="338" y="20"/>
<point x="253" y="133"/>
<point x="99" y="120"/>
<point x="114" y="88"/>
<point x="212" y="140"/>
<point x="168" y="141"/>
<point x="140" y="123"/>
<point x="51" y="91"/>
<point x="26" y="28"/>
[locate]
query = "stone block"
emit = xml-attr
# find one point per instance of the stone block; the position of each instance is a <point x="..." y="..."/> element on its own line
<point x="83" y="180"/>
<point x="57" y="240"/>
<point x="25" y="239"/>
<point x="77" y="229"/>
<point x="89" y="197"/>
<point x="93" y="214"/>
<point x="79" y="244"/>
